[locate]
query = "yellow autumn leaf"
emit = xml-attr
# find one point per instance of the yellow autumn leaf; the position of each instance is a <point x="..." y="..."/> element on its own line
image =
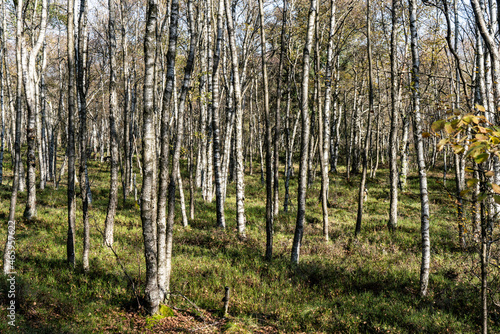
<point x="496" y="188"/>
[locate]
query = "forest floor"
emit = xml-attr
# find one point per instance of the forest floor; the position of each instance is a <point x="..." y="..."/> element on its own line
<point x="347" y="285"/>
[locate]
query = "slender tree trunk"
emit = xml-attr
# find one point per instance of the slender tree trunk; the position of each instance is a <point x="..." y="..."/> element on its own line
<point x="209" y="172"/>
<point x="493" y="51"/>
<point x="30" y="87"/>
<point x="185" y="222"/>
<point x="7" y="264"/>
<point x="259" y="132"/>
<point x="277" y="131"/>
<point x="304" y="149"/>
<point x="251" y="125"/>
<point x="393" y="172"/>
<point x="326" y="123"/>
<point x="191" y="161"/>
<point x="289" y="144"/>
<point x="174" y="18"/>
<point x="377" y="144"/>
<point x="164" y="195"/>
<point x="41" y="121"/>
<point x="126" y="108"/>
<point x="484" y="253"/>
<point x="268" y="141"/>
<point x="178" y="176"/>
<point x="459" y="158"/>
<point x="362" y="184"/>
<point x="230" y="119"/>
<point x="240" y="167"/>
<point x="354" y="116"/>
<point x="202" y="155"/>
<point x="12" y="107"/>
<point x="82" y="94"/>
<point x="152" y="292"/>
<point x="214" y="109"/>
<point x="419" y="146"/>
<point x="2" y="99"/>
<point x="335" y="130"/>
<point x="113" y="136"/>
<point x="71" y="135"/>
<point x="405" y="117"/>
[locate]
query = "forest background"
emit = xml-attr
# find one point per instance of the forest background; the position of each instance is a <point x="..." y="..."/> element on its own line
<point x="320" y="166"/>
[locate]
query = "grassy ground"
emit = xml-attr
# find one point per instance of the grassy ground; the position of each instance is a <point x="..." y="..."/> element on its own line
<point x="347" y="285"/>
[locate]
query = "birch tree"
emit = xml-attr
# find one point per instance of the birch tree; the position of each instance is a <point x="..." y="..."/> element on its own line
<point x="82" y="95"/>
<point x="164" y="229"/>
<point x="240" y="182"/>
<point x="419" y="147"/>
<point x="113" y="136"/>
<point x="30" y="79"/>
<point x="186" y="83"/>
<point x="277" y="130"/>
<point x="2" y="90"/>
<point x="71" y="134"/>
<point x="326" y="122"/>
<point x="393" y="155"/>
<point x="304" y="147"/>
<point x="214" y="110"/>
<point x="152" y="293"/>
<point x="7" y="264"/>
<point x="269" y="173"/>
<point x="362" y="184"/>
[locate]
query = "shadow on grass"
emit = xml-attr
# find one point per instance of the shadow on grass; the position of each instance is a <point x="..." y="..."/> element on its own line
<point x="368" y="290"/>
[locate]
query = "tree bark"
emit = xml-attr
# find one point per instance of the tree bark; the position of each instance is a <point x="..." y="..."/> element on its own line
<point x="326" y="123"/>
<point x="164" y="194"/>
<point x="362" y="185"/>
<point x="127" y="184"/>
<point x="419" y="146"/>
<point x="289" y="144"/>
<point x="113" y="136"/>
<point x="202" y="154"/>
<point x="268" y="141"/>
<point x="492" y="47"/>
<point x="82" y="94"/>
<point x="214" y="109"/>
<point x="7" y="264"/>
<point x="277" y="131"/>
<point x="30" y="80"/>
<point x="484" y="254"/>
<point x="71" y="134"/>
<point x="240" y="167"/>
<point x="2" y="85"/>
<point x="180" y="124"/>
<point x="459" y="158"/>
<point x="209" y="168"/>
<point x="304" y="149"/>
<point x="41" y="124"/>
<point x="393" y="156"/>
<point x="148" y="146"/>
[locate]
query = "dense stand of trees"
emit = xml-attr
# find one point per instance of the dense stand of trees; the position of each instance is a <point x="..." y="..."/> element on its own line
<point x="343" y="86"/>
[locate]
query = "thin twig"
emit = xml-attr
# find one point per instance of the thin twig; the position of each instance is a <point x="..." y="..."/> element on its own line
<point x="175" y="293"/>
<point x="206" y="326"/>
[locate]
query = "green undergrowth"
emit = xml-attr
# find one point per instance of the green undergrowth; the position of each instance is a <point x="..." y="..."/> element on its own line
<point x="347" y="285"/>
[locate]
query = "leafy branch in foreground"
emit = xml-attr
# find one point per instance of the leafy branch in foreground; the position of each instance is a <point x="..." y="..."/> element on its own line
<point x="478" y="140"/>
